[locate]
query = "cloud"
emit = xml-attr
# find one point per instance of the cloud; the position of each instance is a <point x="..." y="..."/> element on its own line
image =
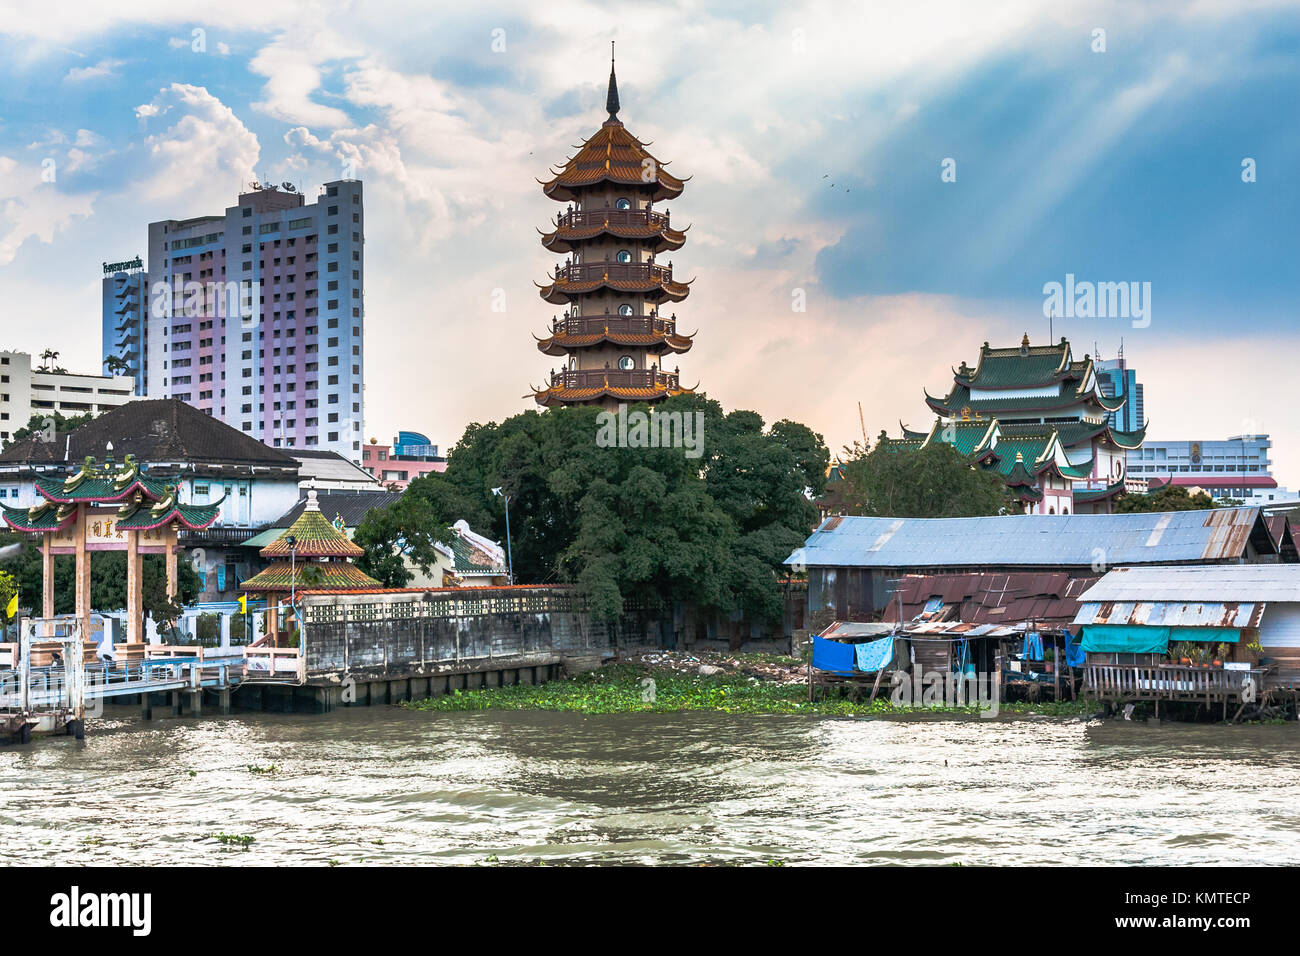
<point x="293" y="66"/>
<point x="102" y="68"/>
<point x="206" y="156"/>
<point x="32" y="207"/>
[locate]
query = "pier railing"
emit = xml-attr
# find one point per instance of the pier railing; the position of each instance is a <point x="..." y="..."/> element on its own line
<point x="1167" y="681"/>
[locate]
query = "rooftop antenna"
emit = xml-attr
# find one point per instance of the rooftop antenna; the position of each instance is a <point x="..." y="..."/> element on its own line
<point x="1051" y="316"/>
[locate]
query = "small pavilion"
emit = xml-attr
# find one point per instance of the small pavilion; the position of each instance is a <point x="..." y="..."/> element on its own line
<point x="108" y="508"/>
<point x="311" y="555"/>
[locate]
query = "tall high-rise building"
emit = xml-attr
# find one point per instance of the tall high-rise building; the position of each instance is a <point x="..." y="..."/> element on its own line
<point x="125" y="296"/>
<point x="256" y="316"/>
<point x="1115" y="379"/>
<point x="614" y="340"/>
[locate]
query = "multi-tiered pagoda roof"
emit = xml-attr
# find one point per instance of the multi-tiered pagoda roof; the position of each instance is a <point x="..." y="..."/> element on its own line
<point x="1035" y="416"/>
<point x="612" y="333"/>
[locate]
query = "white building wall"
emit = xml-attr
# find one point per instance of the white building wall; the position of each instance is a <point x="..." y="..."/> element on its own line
<point x="1280" y="626"/>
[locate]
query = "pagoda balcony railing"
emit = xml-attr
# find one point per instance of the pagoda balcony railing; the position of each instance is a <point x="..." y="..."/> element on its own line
<point x="617" y="324"/>
<point x="617" y="271"/>
<point x="614" y="377"/>
<point x="587" y="218"/>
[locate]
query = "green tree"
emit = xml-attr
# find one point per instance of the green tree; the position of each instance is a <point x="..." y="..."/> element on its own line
<point x="1168" y="498"/>
<point x="410" y="526"/>
<point x="936" y="481"/>
<point x="655" y="525"/>
<point x="116" y="365"/>
<point x="36" y="425"/>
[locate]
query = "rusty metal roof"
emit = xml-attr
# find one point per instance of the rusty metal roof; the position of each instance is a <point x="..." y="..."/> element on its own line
<point x="1171" y="613"/>
<point x="1041" y="541"/>
<point x="1042" y="597"/>
<point x="1239" y="583"/>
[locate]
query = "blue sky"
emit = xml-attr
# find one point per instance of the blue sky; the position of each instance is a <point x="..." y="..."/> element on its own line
<point x="815" y="135"/>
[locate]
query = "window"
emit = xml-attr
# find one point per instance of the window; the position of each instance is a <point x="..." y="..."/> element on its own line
<point x="623" y="203"/>
<point x="627" y="363"/>
<point x="624" y="256"/>
<point x="625" y="309"/>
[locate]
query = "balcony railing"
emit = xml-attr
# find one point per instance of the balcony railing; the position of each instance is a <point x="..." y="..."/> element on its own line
<point x="1168" y="681"/>
<point x="614" y="377"/>
<point x="635" y="218"/>
<point x="616" y="271"/>
<point x="616" y="324"/>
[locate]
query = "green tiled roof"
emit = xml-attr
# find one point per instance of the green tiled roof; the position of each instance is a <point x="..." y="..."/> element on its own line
<point x="1084" y="495"/>
<point x="1018" y="368"/>
<point x="43" y="517"/>
<point x="280" y="575"/>
<point x="952" y="404"/>
<point x="145" y="518"/>
<point x="314" y="537"/>
<point x="103" y="484"/>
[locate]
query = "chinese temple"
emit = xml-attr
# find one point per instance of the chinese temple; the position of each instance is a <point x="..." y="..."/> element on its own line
<point x="1035" y="416"/>
<point x="613" y="338"/>
<point x="113" y="508"/>
<point x="312" y="554"/>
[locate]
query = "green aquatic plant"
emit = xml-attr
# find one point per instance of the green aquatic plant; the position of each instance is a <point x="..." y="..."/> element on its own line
<point x="623" y="688"/>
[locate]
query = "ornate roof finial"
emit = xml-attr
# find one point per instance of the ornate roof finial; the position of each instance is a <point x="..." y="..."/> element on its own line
<point x="1025" y="341"/>
<point x="611" y="98"/>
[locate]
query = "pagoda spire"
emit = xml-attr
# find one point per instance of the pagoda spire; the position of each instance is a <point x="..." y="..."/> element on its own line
<point x="611" y="98"/>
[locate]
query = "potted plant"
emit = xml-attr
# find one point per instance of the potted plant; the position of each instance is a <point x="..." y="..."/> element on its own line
<point x="1049" y="660"/>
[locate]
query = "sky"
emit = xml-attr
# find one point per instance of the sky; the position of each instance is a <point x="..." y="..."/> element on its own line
<point x="875" y="189"/>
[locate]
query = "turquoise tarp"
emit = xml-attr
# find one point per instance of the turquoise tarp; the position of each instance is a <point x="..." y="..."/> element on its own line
<point x="1140" y="639"/>
<point x="874" y="655"/>
<point x="1125" y="639"/>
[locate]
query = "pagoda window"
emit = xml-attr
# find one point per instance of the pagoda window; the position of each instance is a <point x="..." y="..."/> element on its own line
<point x="623" y="204"/>
<point x="627" y="363"/>
<point x="625" y="309"/>
<point x="624" y="256"/>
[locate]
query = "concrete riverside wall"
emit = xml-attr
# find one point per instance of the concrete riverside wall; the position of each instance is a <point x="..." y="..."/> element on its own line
<point x="394" y="634"/>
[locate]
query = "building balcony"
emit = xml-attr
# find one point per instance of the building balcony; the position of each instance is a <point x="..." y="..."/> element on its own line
<point x="596" y="272"/>
<point x="615" y="378"/>
<point x="601" y="218"/>
<point x="615" y="325"/>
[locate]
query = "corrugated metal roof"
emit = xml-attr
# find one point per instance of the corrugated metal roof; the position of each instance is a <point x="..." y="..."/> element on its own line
<point x="1227" y="583"/>
<point x="1035" y="540"/>
<point x="848" y="630"/>
<point x="1171" y="613"/>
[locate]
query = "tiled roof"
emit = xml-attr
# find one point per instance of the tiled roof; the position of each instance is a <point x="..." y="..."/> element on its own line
<point x="279" y="576"/>
<point x="561" y="291"/>
<point x="561" y="343"/>
<point x="153" y="430"/>
<point x="314" y="536"/>
<point x="562" y="396"/>
<point x="568" y="238"/>
<point x="614" y="155"/>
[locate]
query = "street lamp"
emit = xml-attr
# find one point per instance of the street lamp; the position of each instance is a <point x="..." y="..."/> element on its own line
<point x="509" y="553"/>
<point x="292" y="543"/>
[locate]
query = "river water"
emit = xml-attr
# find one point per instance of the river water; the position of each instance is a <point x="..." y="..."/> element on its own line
<point x="379" y="785"/>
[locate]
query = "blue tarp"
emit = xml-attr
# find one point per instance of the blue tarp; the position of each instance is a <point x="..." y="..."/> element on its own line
<point x="874" y="655"/>
<point x="832" y="656"/>
<point x="1075" y="656"/>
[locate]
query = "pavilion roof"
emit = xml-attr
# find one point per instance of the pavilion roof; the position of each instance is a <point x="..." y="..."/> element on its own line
<point x="561" y="342"/>
<point x="307" y="575"/>
<point x="314" y="537"/>
<point x="559" y="395"/>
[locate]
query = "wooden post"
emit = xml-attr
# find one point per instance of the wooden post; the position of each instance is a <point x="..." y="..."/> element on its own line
<point x="47" y="576"/>
<point x="171" y="538"/>
<point x="83" y="572"/>
<point x="134" y="590"/>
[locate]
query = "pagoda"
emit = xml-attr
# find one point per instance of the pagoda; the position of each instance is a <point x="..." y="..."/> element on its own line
<point x="311" y="555"/>
<point x="613" y="338"/>
<point x="1035" y="416"/>
<point x="109" y="508"/>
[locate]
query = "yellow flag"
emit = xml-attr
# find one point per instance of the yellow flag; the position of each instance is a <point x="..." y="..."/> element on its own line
<point x="12" y="608"/>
